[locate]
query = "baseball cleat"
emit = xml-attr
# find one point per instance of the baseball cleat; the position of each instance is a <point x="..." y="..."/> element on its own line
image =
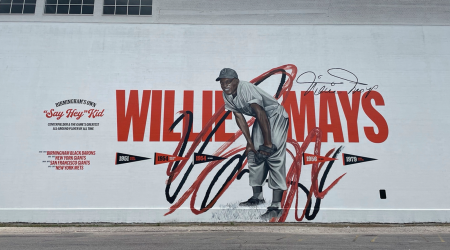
<point x="252" y="202"/>
<point x="272" y="212"/>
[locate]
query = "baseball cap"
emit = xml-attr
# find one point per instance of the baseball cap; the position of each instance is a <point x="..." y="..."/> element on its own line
<point x="227" y="73"/>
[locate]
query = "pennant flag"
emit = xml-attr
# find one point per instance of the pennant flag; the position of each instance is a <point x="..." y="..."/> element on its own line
<point x="163" y="158"/>
<point x="202" y="158"/>
<point x="311" y="159"/>
<point x="349" y="159"/>
<point x="122" y="158"/>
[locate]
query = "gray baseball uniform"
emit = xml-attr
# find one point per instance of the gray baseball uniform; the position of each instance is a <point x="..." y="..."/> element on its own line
<point x="275" y="165"/>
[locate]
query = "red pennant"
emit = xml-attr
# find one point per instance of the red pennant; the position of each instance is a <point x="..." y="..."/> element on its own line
<point x="163" y="158"/>
<point x="311" y="159"/>
<point x="202" y="158"/>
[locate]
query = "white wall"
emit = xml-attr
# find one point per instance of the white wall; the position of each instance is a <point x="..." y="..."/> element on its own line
<point x="393" y="12"/>
<point x="43" y="63"/>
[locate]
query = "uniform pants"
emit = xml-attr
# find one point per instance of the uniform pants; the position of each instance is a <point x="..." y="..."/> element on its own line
<point x="275" y="165"/>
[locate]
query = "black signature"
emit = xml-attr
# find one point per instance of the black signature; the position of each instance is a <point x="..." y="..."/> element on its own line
<point x="337" y="73"/>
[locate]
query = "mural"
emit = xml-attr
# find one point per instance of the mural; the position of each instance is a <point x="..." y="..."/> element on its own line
<point x="128" y="123"/>
<point x="270" y="134"/>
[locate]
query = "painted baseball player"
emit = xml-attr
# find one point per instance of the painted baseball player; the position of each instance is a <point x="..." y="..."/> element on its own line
<point x="266" y="147"/>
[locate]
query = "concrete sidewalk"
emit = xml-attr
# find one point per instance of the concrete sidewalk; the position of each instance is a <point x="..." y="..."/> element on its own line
<point x="286" y="228"/>
<point x="286" y="236"/>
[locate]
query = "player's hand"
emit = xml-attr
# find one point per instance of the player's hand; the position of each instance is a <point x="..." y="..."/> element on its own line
<point x="250" y="147"/>
<point x="268" y="151"/>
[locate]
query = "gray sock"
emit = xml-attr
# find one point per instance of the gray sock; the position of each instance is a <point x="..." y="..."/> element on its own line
<point x="276" y="198"/>
<point x="257" y="192"/>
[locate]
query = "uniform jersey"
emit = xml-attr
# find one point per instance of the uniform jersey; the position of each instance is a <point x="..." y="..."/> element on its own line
<point x="275" y="165"/>
<point x="247" y="94"/>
